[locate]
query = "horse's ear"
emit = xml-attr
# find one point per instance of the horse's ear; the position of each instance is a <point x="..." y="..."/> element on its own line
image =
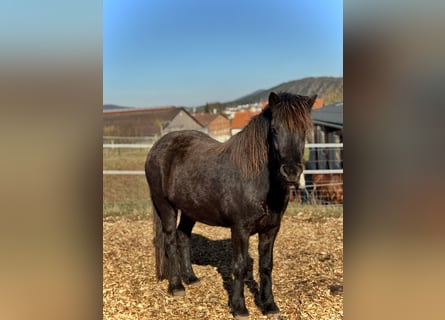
<point x="311" y="101"/>
<point x="273" y="98"/>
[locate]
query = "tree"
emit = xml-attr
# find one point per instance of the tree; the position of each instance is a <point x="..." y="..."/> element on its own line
<point x="213" y="107"/>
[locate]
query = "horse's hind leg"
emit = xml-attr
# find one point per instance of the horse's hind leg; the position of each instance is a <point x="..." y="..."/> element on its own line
<point x="168" y="216"/>
<point x="184" y="233"/>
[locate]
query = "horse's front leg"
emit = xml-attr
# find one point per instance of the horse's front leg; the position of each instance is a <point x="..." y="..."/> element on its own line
<point x="240" y="250"/>
<point x="265" y="250"/>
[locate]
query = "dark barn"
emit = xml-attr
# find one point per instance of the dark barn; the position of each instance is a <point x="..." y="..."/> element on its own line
<point x="328" y="128"/>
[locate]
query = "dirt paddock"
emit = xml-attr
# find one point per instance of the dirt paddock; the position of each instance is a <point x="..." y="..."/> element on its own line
<point x="307" y="275"/>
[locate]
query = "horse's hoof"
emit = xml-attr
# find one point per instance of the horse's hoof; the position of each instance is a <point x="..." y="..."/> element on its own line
<point x="192" y="281"/>
<point x="239" y="317"/>
<point x="178" y="293"/>
<point x="274" y="316"/>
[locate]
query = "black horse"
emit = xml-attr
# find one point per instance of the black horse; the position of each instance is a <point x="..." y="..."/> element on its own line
<point x="242" y="184"/>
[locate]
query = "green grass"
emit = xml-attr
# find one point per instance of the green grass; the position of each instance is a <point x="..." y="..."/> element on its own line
<point x="124" y="159"/>
<point x="125" y="195"/>
<point x="126" y="208"/>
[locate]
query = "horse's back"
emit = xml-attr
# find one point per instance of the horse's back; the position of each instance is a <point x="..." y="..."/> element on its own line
<point x="177" y="144"/>
<point x="173" y="150"/>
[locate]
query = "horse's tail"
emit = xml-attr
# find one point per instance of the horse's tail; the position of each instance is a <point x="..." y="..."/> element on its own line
<point x="159" y="244"/>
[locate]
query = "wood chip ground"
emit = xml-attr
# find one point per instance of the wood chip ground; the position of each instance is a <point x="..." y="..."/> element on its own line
<point x="307" y="274"/>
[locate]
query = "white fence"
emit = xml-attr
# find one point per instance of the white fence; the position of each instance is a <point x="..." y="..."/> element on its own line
<point x="149" y="145"/>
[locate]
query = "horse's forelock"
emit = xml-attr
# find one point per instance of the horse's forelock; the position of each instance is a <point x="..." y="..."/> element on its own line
<point x="294" y="112"/>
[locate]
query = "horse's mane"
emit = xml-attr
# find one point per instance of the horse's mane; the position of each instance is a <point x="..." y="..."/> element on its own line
<point x="249" y="148"/>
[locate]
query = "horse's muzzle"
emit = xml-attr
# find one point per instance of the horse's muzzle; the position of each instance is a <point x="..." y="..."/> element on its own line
<point x="292" y="175"/>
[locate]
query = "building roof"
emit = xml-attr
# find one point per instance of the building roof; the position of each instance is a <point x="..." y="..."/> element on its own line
<point x="241" y="119"/>
<point x="319" y="102"/>
<point x="330" y="116"/>
<point x="205" y="118"/>
<point x="139" y="122"/>
<point x="183" y="123"/>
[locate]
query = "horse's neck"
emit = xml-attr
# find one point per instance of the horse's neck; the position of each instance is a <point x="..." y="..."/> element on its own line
<point x="248" y="149"/>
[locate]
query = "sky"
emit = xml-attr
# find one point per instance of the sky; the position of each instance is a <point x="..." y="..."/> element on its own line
<point x="188" y="53"/>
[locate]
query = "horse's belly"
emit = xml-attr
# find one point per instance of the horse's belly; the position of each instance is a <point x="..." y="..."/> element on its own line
<point x="205" y="214"/>
<point x="200" y="206"/>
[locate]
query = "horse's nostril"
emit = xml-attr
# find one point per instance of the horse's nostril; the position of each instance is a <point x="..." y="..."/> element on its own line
<point x="290" y="173"/>
<point x="283" y="171"/>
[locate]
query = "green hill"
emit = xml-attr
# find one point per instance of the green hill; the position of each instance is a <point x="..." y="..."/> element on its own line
<point x="328" y="88"/>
